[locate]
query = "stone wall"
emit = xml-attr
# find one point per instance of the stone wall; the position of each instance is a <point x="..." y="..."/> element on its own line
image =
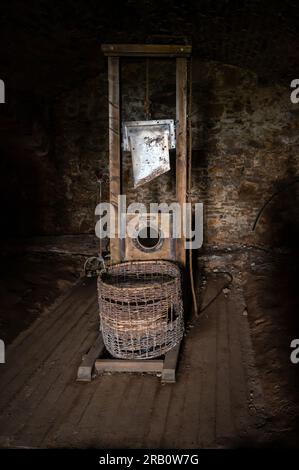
<point x="245" y="141"/>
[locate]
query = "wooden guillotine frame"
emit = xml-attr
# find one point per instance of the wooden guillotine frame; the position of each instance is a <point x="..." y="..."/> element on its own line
<point x="115" y="52"/>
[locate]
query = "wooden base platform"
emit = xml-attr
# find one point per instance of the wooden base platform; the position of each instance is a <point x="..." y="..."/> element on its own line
<point x="92" y="362"/>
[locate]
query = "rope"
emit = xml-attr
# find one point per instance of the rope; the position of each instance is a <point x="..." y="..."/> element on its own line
<point x="226" y="285"/>
<point x="147" y="101"/>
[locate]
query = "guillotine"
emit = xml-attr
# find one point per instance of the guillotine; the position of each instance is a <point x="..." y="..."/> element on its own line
<point x="115" y="52"/>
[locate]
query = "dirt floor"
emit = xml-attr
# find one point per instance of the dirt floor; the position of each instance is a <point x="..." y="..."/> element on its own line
<point x="236" y="385"/>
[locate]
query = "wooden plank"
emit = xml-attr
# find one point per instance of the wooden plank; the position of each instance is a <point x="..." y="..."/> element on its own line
<point x="33" y="414"/>
<point x="191" y="372"/>
<point x="84" y="245"/>
<point x="146" y="50"/>
<point x="19" y="348"/>
<point x="52" y="410"/>
<point x="113" y="411"/>
<point x="156" y="425"/>
<point x="132" y="400"/>
<point x="181" y="147"/>
<point x="122" y="365"/>
<point x="239" y="382"/>
<point x="224" y="422"/>
<point x="142" y="414"/>
<point x="86" y="367"/>
<point x="207" y="354"/>
<point x="38" y="347"/>
<point x="170" y="363"/>
<point x="114" y="149"/>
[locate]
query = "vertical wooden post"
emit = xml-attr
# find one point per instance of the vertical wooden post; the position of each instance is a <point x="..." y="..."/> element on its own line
<point x="181" y="147"/>
<point x="114" y="149"/>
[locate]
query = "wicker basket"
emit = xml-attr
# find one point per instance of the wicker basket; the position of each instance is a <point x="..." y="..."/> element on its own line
<point x="141" y="308"/>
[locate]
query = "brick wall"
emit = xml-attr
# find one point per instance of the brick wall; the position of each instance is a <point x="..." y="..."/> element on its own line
<point x="245" y="142"/>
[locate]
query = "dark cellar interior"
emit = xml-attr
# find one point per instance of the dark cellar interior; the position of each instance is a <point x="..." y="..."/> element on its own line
<point x="236" y="385"/>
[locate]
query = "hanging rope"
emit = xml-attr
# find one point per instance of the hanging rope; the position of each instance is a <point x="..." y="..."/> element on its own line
<point x="147" y="101"/>
<point x="189" y="185"/>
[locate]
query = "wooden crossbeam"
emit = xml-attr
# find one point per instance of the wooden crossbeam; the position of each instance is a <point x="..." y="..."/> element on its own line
<point x="146" y="50"/>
